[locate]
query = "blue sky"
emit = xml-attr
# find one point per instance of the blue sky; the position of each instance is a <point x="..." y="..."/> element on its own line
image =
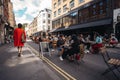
<point x="26" y="10"/>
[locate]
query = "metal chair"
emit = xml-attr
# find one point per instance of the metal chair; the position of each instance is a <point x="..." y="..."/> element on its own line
<point x="112" y="63"/>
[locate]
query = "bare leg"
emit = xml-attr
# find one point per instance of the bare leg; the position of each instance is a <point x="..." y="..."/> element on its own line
<point x="19" y="51"/>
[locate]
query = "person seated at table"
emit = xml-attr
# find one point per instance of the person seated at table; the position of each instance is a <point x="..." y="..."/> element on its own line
<point x="113" y="40"/>
<point x="74" y="47"/>
<point x="87" y="44"/>
<point x="60" y="46"/>
<point x="98" y="43"/>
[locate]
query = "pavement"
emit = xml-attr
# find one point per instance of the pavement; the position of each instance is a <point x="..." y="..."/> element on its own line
<point x="91" y="68"/>
<point x="31" y="67"/>
<point x="27" y="67"/>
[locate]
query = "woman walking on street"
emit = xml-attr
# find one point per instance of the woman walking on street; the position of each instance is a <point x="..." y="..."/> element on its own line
<point x="17" y="36"/>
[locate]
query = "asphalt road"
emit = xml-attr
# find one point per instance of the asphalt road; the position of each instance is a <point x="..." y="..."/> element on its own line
<point x="91" y="68"/>
<point x="27" y="67"/>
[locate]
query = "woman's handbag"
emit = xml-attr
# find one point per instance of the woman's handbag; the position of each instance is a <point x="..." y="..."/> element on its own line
<point x="23" y="40"/>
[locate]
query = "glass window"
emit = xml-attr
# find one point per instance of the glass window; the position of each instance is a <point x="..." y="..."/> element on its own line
<point x="44" y="15"/>
<point x="73" y="17"/>
<point x="64" y="8"/>
<point x="59" y="2"/>
<point x="53" y="24"/>
<point x="101" y="11"/>
<point x="55" y="5"/>
<point x="55" y="14"/>
<point x="64" y="0"/>
<point x="102" y="8"/>
<point x="48" y="27"/>
<point x="101" y="4"/>
<point x="43" y="27"/>
<point x="48" y="15"/>
<point x="94" y="12"/>
<point x="71" y="3"/>
<point x="80" y="14"/>
<point x="94" y="6"/>
<point x="48" y="21"/>
<point x="80" y="1"/>
<point x="43" y="21"/>
<point x="59" y="11"/>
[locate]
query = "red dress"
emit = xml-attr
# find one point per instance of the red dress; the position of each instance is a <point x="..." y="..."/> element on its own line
<point x="17" y="37"/>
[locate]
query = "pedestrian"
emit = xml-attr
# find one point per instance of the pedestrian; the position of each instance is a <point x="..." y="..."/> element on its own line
<point x="17" y="36"/>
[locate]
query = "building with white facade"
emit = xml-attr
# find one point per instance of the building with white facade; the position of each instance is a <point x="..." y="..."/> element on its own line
<point x="44" y="22"/>
<point x="41" y="23"/>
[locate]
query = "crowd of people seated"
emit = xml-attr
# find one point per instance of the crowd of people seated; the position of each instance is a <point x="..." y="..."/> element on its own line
<point x="74" y="46"/>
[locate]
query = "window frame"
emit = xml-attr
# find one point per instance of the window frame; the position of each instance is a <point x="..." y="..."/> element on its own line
<point x="71" y="4"/>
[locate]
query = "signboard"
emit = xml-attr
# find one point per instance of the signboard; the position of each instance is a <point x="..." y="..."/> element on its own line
<point x="44" y="48"/>
<point x="118" y="18"/>
<point x="116" y="13"/>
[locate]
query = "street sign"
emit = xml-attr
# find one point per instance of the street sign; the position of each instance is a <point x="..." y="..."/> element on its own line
<point x="44" y="48"/>
<point x="116" y="15"/>
<point x="118" y="18"/>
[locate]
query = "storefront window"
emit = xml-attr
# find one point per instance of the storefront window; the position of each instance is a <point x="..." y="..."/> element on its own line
<point x="73" y="18"/>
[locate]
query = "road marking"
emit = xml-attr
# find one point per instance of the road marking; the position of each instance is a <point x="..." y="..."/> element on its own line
<point x="58" y="69"/>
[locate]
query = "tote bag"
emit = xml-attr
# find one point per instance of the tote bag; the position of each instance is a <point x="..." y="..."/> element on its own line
<point x="23" y="40"/>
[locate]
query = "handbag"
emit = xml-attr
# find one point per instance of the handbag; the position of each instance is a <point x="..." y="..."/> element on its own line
<point x="23" y="40"/>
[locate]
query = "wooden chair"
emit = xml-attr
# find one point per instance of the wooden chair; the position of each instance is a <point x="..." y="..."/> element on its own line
<point x="54" y="44"/>
<point x="112" y="63"/>
<point x="82" y="49"/>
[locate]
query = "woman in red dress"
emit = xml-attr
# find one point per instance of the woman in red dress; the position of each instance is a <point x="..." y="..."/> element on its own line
<point x="18" y="38"/>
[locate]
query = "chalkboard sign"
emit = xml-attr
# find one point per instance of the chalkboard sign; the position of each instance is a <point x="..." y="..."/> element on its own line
<point x="44" y="47"/>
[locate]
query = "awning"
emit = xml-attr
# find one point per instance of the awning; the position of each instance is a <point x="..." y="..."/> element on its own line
<point x="52" y="30"/>
<point x="60" y="29"/>
<point x="85" y="25"/>
<point x="92" y="24"/>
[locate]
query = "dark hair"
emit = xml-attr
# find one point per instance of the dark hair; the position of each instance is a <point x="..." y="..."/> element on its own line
<point x="19" y="25"/>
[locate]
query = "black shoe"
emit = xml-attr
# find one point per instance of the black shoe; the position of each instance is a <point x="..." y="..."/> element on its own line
<point x="19" y="55"/>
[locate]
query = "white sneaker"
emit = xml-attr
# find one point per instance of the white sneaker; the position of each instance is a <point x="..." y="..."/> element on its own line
<point x="61" y="58"/>
<point x="52" y="50"/>
<point x="87" y="51"/>
<point x="21" y="55"/>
